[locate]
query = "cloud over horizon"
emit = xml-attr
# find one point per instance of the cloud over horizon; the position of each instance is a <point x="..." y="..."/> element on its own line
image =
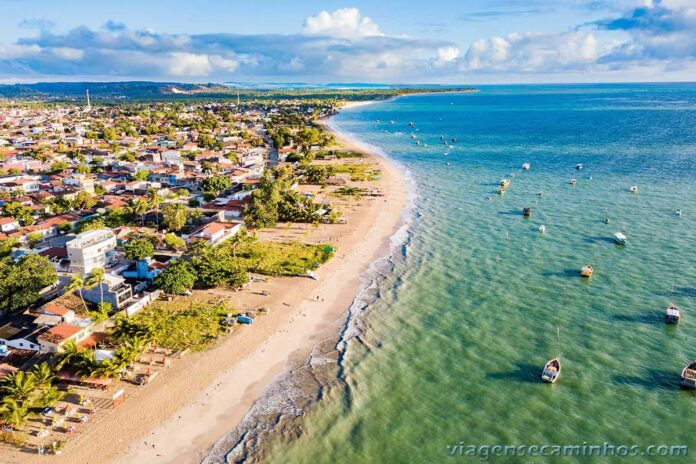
<point x="655" y="37"/>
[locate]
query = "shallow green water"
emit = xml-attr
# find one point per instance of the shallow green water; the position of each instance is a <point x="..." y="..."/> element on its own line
<point x="456" y="342"/>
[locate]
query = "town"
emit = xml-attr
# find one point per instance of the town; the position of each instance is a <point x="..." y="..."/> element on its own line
<point x="112" y="216"/>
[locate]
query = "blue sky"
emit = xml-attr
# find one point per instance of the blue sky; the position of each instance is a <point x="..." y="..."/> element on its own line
<point x="394" y="41"/>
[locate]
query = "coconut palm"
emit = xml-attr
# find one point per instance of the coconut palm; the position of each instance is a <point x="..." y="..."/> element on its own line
<point x="154" y="200"/>
<point x="77" y="283"/>
<point x="50" y="396"/>
<point x="14" y="413"/>
<point x="19" y="385"/>
<point x="43" y="375"/>
<point x="138" y="207"/>
<point x="108" y="368"/>
<point x="70" y="353"/>
<point x="95" y="278"/>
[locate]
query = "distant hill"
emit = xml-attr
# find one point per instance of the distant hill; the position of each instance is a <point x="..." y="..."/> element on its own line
<point x="114" y="92"/>
<point x="107" y="90"/>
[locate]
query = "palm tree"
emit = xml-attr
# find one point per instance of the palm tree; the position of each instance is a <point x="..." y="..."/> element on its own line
<point x="77" y="283"/>
<point x="14" y="413"/>
<point x="70" y="352"/>
<point x="138" y="208"/>
<point x="19" y="385"/>
<point x="50" y="396"/>
<point x="95" y="278"/>
<point x="108" y="368"/>
<point x="154" y="200"/>
<point x="43" y="375"/>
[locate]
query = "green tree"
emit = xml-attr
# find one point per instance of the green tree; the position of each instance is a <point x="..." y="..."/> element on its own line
<point x="177" y="279"/>
<point x="154" y="200"/>
<point x="19" y="385"/>
<point x="43" y="375"/>
<point x="83" y="200"/>
<point x="141" y="174"/>
<point x="216" y="184"/>
<point x="34" y="238"/>
<point x="14" y="413"/>
<point x="22" y="281"/>
<point x="214" y="266"/>
<point x="174" y="242"/>
<point x="139" y="249"/>
<point x="77" y="283"/>
<point x="95" y="279"/>
<point x="175" y="216"/>
<point x="137" y="208"/>
<point x="19" y="212"/>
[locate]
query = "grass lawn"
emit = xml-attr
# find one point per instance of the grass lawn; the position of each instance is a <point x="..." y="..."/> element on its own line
<point x="358" y="172"/>
<point x="282" y="258"/>
<point x="184" y="323"/>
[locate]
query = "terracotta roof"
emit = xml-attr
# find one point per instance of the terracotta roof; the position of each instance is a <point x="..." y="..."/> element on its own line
<point x="60" y="333"/>
<point x="55" y="309"/>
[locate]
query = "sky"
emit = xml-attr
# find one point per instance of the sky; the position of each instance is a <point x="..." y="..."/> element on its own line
<point x="385" y="41"/>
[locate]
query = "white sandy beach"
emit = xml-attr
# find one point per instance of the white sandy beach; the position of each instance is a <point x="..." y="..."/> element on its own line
<point x="182" y="413"/>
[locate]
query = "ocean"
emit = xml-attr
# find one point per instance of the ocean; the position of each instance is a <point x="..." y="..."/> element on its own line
<point x="452" y="343"/>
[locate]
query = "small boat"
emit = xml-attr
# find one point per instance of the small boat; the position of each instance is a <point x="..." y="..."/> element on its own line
<point x="526" y="166"/>
<point x="445" y="143"/>
<point x="672" y="315"/>
<point x="552" y="370"/>
<point x="634" y="189"/>
<point x="542" y="228"/>
<point x="526" y="211"/>
<point x="541" y="193"/>
<point x="417" y="142"/>
<point x="620" y="238"/>
<point x="245" y="320"/>
<point x="313" y="275"/>
<point x="573" y="181"/>
<point x="501" y="190"/>
<point x="679" y="212"/>
<point x="587" y="271"/>
<point x="411" y="124"/>
<point x="579" y="166"/>
<point x="606" y="220"/>
<point x="504" y="182"/>
<point x="688" y="376"/>
<point x="454" y="139"/>
<point x="413" y="136"/>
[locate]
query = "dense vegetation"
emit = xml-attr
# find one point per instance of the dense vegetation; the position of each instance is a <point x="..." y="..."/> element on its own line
<point x="22" y="281"/>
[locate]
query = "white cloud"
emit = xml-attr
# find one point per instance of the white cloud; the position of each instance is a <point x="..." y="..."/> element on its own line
<point x="529" y="52"/>
<point x="68" y="53"/>
<point x="446" y="54"/>
<point x="347" y="23"/>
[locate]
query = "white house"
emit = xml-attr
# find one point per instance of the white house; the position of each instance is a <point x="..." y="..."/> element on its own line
<point x="215" y="232"/>
<point x="8" y="224"/>
<point x="90" y="250"/>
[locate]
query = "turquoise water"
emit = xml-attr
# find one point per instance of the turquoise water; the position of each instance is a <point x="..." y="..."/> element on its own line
<point x="455" y="344"/>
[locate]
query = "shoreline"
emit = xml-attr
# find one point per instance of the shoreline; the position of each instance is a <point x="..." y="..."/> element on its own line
<point x="185" y="411"/>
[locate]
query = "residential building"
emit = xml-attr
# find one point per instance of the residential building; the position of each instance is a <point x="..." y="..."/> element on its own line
<point x="90" y="250"/>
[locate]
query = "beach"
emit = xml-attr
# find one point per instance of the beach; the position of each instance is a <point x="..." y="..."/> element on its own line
<point x="184" y="411"/>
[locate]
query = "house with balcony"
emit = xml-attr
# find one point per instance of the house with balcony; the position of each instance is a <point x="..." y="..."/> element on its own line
<point x="90" y="250"/>
<point x="114" y="289"/>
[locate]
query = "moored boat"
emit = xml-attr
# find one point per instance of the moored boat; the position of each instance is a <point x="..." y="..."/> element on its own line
<point x="526" y="211"/>
<point x="526" y="166"/>
<point x="579" y="166"/>
<point x="542" y="228"/>
<point x="620" y="238"/>
<point x="688" y="376"/>
<point x="573" y="181"/>
<point x="552" y="370"/>
<point x="672" y="315"/>
<point x="587" y="271"/>
<point x="504" y="182"/>
<point x="634" y="189"/>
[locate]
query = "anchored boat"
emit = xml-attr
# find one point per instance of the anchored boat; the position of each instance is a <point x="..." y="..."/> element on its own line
<point x="688" y="376"/>
<point x="672" y="315"/>
<point x="526" y="211"/>
<point x="526" y="166"/>
<point x="552" y="370"/>
<point x="587" y="271"/>
<point x="620" y="238"/>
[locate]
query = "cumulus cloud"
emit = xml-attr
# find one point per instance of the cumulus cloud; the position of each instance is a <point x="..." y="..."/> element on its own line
<point x="657" y="37"/>
<point x="345" y="22"/>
